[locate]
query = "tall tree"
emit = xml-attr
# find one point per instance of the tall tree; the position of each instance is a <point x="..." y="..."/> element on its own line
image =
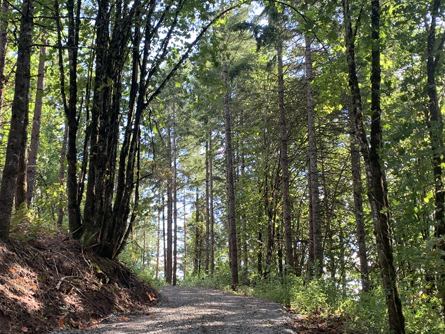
<point x="20" y="109"/>
<point x="211" y="213"/>
<point x="169" y="258"/>
<point x="358" y="203"/>
<point x="70" y="107"/>
<point x="284" y="155"/>
<point x="371" y="151"/>
<point x="61" y="212"/>
<point x="4" y="22"/>
<point x="175" y="198"/>
<point x="435" y="126"/>
<point x="207" y="187"/>
<point x="230" y="187"/>
<point x="36" y="121"/>
<point x="313" y="169"/>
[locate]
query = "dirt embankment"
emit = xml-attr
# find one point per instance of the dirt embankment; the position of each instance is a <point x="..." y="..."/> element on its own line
<point x="51" y="282"/>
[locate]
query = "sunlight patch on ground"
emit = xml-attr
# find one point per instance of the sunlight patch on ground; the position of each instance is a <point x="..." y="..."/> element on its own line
<point x="21" y="286"/>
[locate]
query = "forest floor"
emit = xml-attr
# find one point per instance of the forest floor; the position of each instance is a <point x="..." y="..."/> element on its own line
<point x="51" y="283"/>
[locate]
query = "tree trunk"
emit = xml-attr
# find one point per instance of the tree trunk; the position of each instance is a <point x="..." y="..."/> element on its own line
<point x="435" y="125"/>
<point x="311" y="257"/>
<point x="396" y="318"/>
<point x="75" y="226"/>
<point x="20" y="110"/>
<point x="313" y="168"/>
<point x="3" y="50"/>
<point x="233" y="248"/>
<point x="207" y="232"/>
<point x="175" y="200"/>
<point x="62" y="177"/>
<point x="377" y="192"/>
<point x="35" y="132"/>
<point x="284" y="163"/>
<point x="197" y="235"/>
<point x="260" y="254"/>
<point x="212" y="217"/>
<point x="358" y="204"/>
<point x="164" y="242"/>
<point x="158" y="241"/>
<point x="21" y="184"/>
<point x="185" y="237"/>
<point x="168" y="275"/>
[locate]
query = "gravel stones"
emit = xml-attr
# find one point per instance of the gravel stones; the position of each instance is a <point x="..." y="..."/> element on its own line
<point x="200" y="310"/>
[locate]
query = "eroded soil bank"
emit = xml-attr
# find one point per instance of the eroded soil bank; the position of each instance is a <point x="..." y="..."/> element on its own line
<point x="51" y="282"/>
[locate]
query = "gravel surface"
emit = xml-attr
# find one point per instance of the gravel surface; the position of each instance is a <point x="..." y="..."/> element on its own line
<point x="200" y="310"/>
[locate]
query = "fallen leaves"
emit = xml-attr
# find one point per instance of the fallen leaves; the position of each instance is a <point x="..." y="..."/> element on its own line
<point x="62" y="322"/>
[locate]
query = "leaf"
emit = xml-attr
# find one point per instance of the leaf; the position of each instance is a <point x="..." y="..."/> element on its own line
<point x="33" y="287"/>
<point x="124" y="318"/>
<point x="12" y="270"/>
<point x="177" y="84"/>
<point x="24" y="329"/>
<point x="62" y="322"/>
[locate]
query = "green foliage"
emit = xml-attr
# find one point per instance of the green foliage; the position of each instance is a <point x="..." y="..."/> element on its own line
<point x="26" y="224"/>
<point x="367" y="313"/>
<point x="221" y="279"/>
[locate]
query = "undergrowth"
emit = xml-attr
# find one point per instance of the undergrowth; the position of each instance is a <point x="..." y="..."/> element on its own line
<point x="360" y="312"/>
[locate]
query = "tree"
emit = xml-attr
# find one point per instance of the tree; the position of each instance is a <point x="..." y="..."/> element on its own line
<point x="20" y="108"/>
<point x="3" y="49"/>
<point x="375" y="175"/>
<point x="434" y="120"/>
<point x="316" y="241"/>
<point x="35" y="132"/>
<point x="230" y="187"/>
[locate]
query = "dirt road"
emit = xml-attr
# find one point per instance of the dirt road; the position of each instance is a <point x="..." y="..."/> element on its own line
<point x="201" y="310"/>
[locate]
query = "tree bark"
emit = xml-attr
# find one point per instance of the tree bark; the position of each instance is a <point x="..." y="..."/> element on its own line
<point x="185" y="237"/>
<point x="358" y="204"/>
<point x="233" y="248"/>
<point x="212" y="216"/>
<point x="169" y="267"/>
<point x="62" y="177"/>
<point x="35" y="132"/>
<point x="3" y="50"/>
<point x="435" y="126"/>
<point x="284" y="163"/>
<point x="207" y="232"/>
<point x="75" y="226"/>
<point x="175" y="199"/>
<point x="158" y="240"/>
<point x="21" y="183"/>
<point x="377" y="192"/>
<point x="164" y="242"/>
<point x="196" y="261"/>
<point x="20" y="110"/>
<point x="313" y="168"/>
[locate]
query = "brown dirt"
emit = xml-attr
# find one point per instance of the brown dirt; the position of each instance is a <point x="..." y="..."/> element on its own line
<point x="51" y="282"/>
<point x="315" y="324"/>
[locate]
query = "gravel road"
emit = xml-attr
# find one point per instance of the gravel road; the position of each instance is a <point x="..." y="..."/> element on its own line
<point x="200" y="310"/>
